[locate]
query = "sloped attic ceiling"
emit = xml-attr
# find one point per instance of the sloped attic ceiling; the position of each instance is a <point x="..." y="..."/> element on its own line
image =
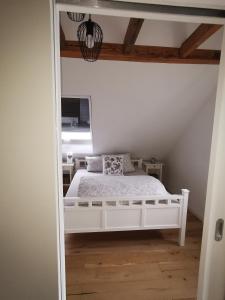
<point x="129" y="39"/>
<point x="153" y="32"/>
<point x="138" y="107"/>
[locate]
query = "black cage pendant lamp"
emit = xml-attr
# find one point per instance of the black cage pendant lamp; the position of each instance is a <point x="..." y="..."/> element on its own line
<point x="76" y="17"/>
<point x="90" y="38"/>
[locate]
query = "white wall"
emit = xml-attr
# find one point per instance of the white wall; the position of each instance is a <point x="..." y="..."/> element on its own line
<point x="139" y="107"/>
<point x="188" y="161"/>
<point x="28" y="257"/>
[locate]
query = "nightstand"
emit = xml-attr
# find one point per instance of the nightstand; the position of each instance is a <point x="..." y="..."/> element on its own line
<point x="68" y="169"/>
<point x="153" y="169"/>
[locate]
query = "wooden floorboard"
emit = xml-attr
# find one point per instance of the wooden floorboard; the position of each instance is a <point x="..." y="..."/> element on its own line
<point x="133" y="265"/>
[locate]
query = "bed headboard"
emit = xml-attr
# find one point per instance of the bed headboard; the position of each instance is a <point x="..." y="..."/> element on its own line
<point x="80" y="163"/>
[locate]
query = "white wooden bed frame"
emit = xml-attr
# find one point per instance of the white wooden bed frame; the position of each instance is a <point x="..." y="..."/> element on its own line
<point x="98" y="214"/>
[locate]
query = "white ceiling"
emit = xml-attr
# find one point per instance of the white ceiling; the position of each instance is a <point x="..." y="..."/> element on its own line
<point x="216" y="4"/>
<point x="154" y="33"/>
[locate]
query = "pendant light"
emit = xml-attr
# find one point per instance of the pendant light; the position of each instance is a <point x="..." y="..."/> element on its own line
<point x="76" y="17"/>
<point x="90" y="38"/>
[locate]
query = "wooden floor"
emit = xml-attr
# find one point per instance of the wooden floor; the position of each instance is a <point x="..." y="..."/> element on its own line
<point x="135" y="265"/>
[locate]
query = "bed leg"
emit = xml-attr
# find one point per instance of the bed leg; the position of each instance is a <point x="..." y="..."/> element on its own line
<point x="182" y="230"/>
<point x="181" y="237"/>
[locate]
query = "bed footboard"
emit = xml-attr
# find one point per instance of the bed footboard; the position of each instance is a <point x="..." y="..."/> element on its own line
<point x="127" y="213"/>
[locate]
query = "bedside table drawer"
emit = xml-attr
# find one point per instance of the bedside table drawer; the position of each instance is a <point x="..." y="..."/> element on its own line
<point x="153" y="166"/>
<point x="153" y="169"/>
<point x="67" y="168"/>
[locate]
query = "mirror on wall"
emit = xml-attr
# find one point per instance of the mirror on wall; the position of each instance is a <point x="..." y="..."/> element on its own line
<point x="75" y="115"/>
<point x="76" y="125"/>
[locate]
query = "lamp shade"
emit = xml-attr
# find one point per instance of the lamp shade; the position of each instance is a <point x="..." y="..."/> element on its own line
<point x="76" y="17"/>
<point x="90" y="37"/>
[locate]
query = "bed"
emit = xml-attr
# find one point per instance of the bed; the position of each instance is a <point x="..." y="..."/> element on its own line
<point x="98" y="203"/>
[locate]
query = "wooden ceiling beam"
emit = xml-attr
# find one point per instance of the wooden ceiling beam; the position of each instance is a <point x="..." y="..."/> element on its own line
<point x="145" y="54"/>
<point x="199" y="36"/>
<point x="132" y="32"/>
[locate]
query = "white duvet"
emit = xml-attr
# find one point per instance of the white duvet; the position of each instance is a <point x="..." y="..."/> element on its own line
<point x="109" y="186"/>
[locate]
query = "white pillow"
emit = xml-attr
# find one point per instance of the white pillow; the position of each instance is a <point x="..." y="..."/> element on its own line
<point x="112" y="164"/>
<point x="94" y="163"/>
<point x="127" y="163"/>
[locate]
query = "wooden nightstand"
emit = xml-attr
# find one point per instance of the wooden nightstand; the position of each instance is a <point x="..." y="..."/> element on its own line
<point x="153" y="169"/>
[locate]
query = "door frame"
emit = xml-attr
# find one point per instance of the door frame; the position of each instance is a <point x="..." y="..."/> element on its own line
<point x="92" y="7"/>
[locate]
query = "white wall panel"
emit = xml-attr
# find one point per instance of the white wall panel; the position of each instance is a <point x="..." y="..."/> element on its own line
<point x="139" y="107"/>
<point x="28" y="166"/>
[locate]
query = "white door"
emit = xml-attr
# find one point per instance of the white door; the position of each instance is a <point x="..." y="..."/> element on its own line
<point x="212" y="265"/>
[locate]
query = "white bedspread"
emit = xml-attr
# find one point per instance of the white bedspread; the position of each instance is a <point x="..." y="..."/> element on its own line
<point x="110" y="186"/>
<point x="74" y="186"/>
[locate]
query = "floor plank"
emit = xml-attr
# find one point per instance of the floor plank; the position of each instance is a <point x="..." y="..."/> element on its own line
<point x="133" y="265"/>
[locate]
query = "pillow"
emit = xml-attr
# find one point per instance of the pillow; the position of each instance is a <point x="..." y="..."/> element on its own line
<point x="112" y="164"/>
<point x="94" y="163"/>
<point x="127" y="163"/>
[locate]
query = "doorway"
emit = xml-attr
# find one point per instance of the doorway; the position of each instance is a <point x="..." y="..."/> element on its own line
<point x="67" y="8"/>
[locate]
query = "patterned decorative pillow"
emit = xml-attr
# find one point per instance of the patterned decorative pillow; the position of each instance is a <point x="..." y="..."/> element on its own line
<point x="112" y="164"/>
<point x="94" y="163"/>
<point x="127" y="163"/>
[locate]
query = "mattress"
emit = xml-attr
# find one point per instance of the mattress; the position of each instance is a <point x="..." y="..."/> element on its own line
<point x="91" y="184"/>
